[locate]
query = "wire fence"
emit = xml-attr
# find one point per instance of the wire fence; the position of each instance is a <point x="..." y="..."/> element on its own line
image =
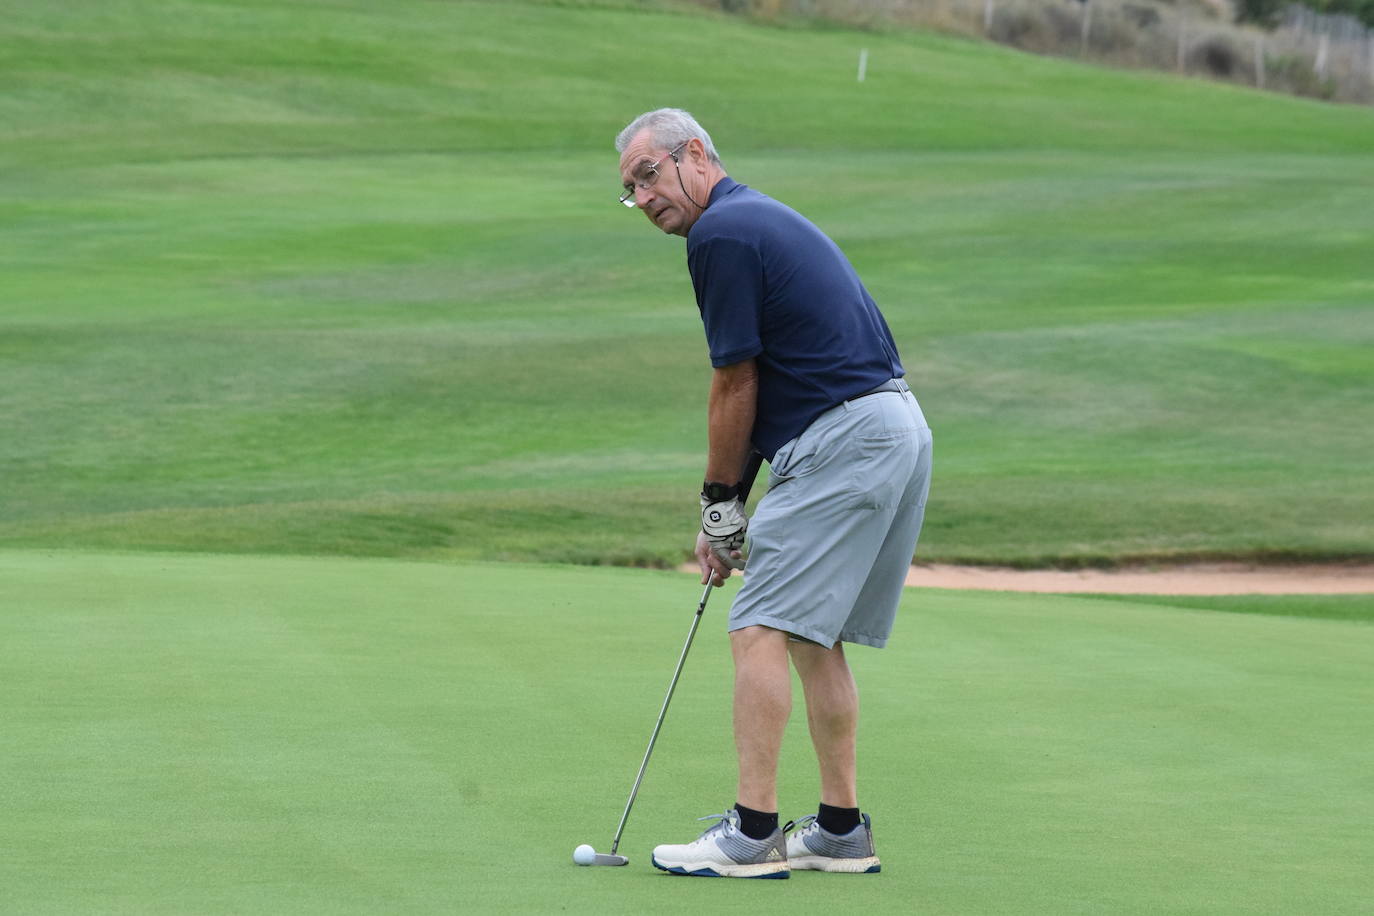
<point x="1326" y="57"/>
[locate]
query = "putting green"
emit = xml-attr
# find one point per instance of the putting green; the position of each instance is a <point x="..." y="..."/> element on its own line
<point x="210" y="734"/>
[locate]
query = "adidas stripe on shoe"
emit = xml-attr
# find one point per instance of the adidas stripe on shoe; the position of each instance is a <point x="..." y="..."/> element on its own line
<point x="814" y="848"/>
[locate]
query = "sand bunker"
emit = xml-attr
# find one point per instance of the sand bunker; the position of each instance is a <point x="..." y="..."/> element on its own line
<point x="1188" y="579"/>
<point x="1191" y="579"/>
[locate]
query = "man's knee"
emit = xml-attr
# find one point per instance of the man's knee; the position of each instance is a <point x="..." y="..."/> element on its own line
<point x="758" y="642"/>
<point x="804" y="651"/>
<point x="757" y="632"/>
<point x="818" y="666"/>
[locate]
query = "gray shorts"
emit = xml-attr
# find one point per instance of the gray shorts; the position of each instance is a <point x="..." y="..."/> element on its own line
<point x="831" y="542"/>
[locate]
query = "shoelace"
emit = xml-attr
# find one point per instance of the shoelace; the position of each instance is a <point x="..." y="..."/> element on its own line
<point x="801" y="825"/>
<point x="721" y="819"/>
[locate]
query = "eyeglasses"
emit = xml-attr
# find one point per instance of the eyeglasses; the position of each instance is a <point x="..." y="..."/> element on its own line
<point x="648" y="176"/>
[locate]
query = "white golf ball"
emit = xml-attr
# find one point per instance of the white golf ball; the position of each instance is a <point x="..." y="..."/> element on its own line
<point x="584" y="855"/>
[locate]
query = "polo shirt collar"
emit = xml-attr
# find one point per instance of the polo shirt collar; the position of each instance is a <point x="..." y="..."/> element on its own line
<point x="723" y="187"/>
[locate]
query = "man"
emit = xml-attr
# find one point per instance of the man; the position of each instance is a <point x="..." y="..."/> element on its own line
<point x="806" y="374"/>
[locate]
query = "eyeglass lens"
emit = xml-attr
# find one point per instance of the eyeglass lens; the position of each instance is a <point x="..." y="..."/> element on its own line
<point x="645" y="179"/>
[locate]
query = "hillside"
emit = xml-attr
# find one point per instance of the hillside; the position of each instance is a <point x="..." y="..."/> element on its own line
<point x="341" y="278"/>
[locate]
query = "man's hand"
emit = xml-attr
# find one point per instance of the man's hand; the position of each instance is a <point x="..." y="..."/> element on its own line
<point x="716" y="565"/>
<point x="720" y="544"/>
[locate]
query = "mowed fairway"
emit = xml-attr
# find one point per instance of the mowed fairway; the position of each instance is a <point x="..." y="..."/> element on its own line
<point x="350" y="279"/>
<point x="208" y="734"/>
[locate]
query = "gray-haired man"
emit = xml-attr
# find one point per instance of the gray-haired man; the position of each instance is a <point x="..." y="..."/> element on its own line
<point x="807" y="376"/>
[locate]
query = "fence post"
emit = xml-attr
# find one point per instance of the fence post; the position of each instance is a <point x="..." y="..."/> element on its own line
<point x="1182" y="41"/>
<point x="1087" y="27"/>
<point x="1323" y="51"/>
<point x="1259" y="61"/>
<point x="987" y="16"/>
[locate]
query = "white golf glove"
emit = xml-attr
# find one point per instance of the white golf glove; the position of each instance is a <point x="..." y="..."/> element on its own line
<point x="724" y="524"/>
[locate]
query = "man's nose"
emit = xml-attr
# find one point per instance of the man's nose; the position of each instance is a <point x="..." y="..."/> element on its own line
<point x="643" y="196"/>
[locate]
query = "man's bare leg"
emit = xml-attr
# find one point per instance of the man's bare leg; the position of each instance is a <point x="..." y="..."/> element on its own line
<point x="763" y="702"/>
<point x="832" y="712"/>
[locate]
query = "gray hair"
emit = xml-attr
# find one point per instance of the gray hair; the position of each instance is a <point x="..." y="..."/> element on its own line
<point x="669" y="128"/>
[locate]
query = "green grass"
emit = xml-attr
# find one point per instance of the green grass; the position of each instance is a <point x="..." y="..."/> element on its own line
<point x="217" y="734"/>
<point x="339" y="278"/>
<point x="345" y="278"/>
<point x="1350" y="608"/>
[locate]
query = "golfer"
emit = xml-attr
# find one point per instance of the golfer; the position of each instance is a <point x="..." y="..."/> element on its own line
<point x="806" y="375"/>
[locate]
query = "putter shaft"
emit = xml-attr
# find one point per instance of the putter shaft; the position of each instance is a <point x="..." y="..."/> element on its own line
<point x="691" y="634"/>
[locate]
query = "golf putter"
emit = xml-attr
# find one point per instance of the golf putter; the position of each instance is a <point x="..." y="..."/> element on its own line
<point x="751" y="471"/>
<point x="612" y="858"/>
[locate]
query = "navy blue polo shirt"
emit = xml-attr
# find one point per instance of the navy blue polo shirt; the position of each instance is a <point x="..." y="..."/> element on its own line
<point x="772" y="286"/>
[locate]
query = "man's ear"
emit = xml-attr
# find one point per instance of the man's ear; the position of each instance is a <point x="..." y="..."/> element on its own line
<point x="696" y="150"/>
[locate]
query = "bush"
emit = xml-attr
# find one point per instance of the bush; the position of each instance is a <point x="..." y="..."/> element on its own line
<point x="1260" y="12"/>
<point x="1143" y="17"/>
<point x="1217" y="56"/>
<point x="1295" y="74"/>
<point x="1025" y="29"/>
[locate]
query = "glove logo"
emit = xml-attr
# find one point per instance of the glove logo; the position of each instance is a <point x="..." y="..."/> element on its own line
<point x="715" y="516"/>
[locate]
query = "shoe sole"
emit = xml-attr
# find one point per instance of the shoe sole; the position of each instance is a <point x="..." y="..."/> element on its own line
<point x="868" y="865"/>
<point x="715" y="870"/>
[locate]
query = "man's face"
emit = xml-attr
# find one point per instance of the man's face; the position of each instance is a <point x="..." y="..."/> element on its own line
<point x="664" y="201"/>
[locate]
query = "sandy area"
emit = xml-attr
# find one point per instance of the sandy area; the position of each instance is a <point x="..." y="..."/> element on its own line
<point x="1190" y="579"/>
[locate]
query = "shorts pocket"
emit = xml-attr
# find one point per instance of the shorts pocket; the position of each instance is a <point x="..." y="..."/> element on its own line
<point x="794" y="459"/>
<point x="879" y="468"/>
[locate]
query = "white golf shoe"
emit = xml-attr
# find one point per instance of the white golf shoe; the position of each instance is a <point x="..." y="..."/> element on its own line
<point x="815" y="848"/>
<point x="723" y="851"/>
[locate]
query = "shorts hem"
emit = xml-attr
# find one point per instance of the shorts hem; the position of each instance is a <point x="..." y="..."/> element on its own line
<point x="863" y="639"/>
<point x="810" y="634"/>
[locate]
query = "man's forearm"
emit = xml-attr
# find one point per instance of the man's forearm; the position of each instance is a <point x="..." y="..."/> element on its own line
<point x="730" y="420"/>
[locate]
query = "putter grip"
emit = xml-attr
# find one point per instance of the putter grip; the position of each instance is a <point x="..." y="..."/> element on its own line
<point x="724" y="556"/>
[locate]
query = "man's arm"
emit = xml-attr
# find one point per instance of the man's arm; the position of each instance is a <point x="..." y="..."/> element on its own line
<point x="730" y="420"/>
<point x="730" y="425"/>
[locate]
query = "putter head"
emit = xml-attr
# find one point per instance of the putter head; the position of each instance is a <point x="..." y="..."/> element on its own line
<point x="606" y="858"/>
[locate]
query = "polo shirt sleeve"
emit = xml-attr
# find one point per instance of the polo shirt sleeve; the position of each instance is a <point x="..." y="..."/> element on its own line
<point x="727" y="275"/>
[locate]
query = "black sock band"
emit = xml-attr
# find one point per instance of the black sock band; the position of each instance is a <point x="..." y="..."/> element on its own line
<point x="837" y="820"/>
<point x="757" y="825"/>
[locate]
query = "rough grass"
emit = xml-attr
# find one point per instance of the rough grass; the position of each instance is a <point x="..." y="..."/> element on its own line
<point x="336" y="278"/>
